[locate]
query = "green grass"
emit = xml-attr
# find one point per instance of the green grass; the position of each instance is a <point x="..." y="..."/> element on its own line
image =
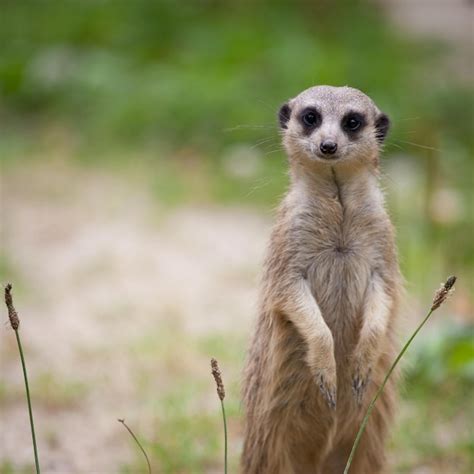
<point x="435" y="428"/>
<point x="8" y="467"/>
<point x="51" y="391"/>
<point x="186" y="412"/>
<point x="150" y="74"/>
<point x="436" y="418"/>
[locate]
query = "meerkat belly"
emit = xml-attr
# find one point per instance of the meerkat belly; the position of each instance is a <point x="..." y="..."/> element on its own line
<point x="338" y="277"/>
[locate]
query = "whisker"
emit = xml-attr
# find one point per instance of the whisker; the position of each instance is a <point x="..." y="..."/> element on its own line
<point x="425" y="147"/>
<point x="247" y="127"/>
<point x="395" y="145"/>
<point x="268" y="106"/>
<point x="263" y="182"/>
<point x="263" y="141"/>
<point x="408" y="118"/>
<point x="276" y="150"/>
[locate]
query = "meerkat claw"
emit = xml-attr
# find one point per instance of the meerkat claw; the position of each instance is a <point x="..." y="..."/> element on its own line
<point x="357" y="389"/>
<point x="359" y="384"/>
<point x="331" y="399"/>
<point x="328" y="394"/>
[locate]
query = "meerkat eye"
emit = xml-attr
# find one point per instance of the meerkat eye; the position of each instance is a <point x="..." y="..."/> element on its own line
<point x="310" y="118"/>
<point x="353" y="122"/>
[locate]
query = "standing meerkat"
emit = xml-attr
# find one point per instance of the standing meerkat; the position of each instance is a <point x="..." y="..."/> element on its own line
<point x="329" y="297"/>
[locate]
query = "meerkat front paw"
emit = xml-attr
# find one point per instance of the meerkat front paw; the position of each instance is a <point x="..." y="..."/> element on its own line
<point x="327" y="385"/>
<point x="322" y="364"/>
<point x="360" y="378"/>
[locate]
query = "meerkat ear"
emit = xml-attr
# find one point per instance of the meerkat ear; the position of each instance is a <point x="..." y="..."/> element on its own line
<point x="382" y="124"/>
<point x="284" y="115"/>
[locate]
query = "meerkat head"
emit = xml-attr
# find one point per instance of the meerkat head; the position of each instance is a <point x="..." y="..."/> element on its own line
<point x="331" y="125"/>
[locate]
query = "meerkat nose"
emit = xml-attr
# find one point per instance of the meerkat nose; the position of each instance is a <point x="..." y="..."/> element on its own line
<point x="328" y="147"/>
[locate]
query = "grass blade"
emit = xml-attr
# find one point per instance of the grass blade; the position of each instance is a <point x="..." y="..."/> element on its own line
<point x="121" y="420"/>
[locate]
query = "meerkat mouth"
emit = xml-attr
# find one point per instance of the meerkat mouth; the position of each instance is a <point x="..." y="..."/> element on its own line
<point x="327" y="158"/>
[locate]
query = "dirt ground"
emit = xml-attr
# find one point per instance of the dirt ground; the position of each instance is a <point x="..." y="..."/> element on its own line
<point x="96" y="263"/>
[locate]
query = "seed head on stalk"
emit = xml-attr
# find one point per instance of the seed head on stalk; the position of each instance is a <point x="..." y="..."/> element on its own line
<point x="12" y="314"/>
<point x="216" y="373"/>
<point x="15" y="323"/>
<point x="218" y="378"/>
<point x="444" y="292"/>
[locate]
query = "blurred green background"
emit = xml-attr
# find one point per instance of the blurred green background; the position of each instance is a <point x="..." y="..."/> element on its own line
<point x="177" y="102"/>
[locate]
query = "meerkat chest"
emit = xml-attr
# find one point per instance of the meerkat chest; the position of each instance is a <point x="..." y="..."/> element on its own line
<point x="340" y="221"/>
<point x="342" y="247"/>
<point x="332" y="234"/>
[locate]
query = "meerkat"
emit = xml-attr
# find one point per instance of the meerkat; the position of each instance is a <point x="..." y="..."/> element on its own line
<point x="325" y="334"/>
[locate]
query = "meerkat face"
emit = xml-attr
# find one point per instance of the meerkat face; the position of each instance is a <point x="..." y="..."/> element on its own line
<point x="331" y="124"/>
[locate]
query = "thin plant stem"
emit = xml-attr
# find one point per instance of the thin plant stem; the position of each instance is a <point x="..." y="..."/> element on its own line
<point x="138" y="443"/>
<point x="28" y="398"/>
<point x="379" y="391"/>
<point x="225" y="436"/>
<point x="440" y="296"/>
<point x="15" y="324"/>
<point x="216" y="373"/>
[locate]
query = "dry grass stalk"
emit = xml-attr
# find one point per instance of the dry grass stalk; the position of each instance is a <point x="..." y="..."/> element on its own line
<point x="439" y="298"/>
<point x="15" y="323"/>
<point x="132" y="434"/>
<point x="216" y="373"/>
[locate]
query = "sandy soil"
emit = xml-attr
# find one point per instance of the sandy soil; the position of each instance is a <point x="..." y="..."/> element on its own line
<point x="96" y="263"/>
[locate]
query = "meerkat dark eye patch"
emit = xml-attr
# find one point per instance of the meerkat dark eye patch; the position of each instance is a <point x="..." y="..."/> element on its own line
<point x="284" y="115"/>
<point x="382" y="125"/>
<point x="310" y="119"/>
<point x="353" y="122"/>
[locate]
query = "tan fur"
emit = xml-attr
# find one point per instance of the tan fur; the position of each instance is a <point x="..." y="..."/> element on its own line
<point x="328" y="304"/>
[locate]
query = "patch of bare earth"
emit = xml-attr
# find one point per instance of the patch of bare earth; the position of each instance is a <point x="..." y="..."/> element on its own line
<point x="96" y="264"/>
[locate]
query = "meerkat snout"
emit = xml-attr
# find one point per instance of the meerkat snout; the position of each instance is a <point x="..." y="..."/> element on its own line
<point x="333" y="124"/>
<point x="328" y="147"/>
